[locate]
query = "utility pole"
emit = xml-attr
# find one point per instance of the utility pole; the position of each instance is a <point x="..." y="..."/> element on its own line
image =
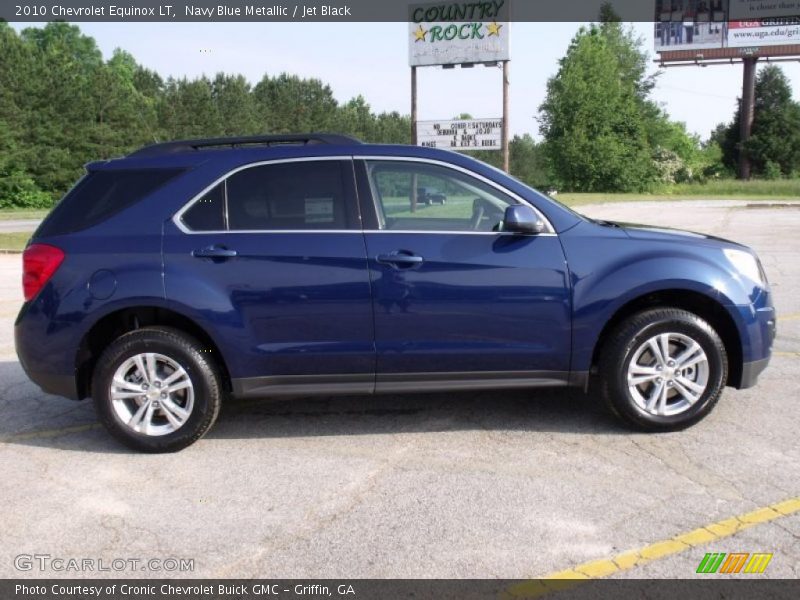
<point x="747" y="113"/>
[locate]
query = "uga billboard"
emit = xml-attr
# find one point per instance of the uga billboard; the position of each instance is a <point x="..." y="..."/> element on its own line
<point x="458" y="32"/>
<point x="699" y="24"/>
<point x="689" y="24"/>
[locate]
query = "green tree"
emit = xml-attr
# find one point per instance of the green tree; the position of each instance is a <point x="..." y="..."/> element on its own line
<point x="775" y="137"/>
<point x="59" y="104"/>
<point x="527" y="161"/>
<point x="289" y="104"/>
<point x="235" y="104"/>
<point x="355" y="118"/>
<point x="629" y="51"/>
<point x="591" y="119"/>
<point x="187" y="109"/>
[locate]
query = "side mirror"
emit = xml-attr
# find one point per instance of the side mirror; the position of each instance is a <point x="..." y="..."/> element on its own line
<point x="521" y="218"/>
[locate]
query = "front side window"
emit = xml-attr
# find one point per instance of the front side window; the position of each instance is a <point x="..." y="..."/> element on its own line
<point x="304" y="195"/>
<point x="415" y="196"/>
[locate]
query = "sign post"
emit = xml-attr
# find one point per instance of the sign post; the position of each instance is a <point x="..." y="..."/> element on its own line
<point x="506" y="153"/>
<point x="414" y="105"/>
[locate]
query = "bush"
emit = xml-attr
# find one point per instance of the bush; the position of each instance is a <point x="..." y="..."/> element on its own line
<point x="17" y="190"/>
<point x="772" y="170"/>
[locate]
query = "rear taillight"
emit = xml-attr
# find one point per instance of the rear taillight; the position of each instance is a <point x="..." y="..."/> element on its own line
<point x="39" y="262"/>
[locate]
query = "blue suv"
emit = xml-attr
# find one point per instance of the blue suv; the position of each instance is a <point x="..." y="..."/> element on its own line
<point x="273" y="266"/>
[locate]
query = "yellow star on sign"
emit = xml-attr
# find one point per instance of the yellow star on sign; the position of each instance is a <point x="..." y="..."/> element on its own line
<point x="493" y="28"/>
<point x="420" y="34"/>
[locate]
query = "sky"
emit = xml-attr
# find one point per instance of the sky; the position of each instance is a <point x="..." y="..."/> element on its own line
<point x="371" y="59"/>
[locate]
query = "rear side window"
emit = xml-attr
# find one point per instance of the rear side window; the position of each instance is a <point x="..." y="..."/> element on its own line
<point x="100" y="195"/>
<point x="303" y="195"/>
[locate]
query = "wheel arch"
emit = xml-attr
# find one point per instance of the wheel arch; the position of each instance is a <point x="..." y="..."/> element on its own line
<point x="121" y="321"/>
<point x="695" y="302"/>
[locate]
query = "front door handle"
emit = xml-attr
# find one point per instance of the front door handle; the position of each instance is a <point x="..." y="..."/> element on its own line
<point x="215" y="251"/>
<point x="400" y="259"/>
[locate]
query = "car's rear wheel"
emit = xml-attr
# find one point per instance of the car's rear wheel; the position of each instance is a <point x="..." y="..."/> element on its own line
<point x="663" y="369"/>
<point x="156" y="390"/>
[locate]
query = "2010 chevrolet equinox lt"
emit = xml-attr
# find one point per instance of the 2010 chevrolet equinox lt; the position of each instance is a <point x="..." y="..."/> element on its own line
<point x="269" y="266"/>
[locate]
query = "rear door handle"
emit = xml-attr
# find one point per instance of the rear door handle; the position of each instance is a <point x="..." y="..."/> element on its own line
<point x="218" y="252"/>
<point x="400" y="259"/>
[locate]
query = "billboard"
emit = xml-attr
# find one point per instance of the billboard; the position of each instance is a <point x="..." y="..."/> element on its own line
<point x="702" y="24"/>
<point x="689" y="24"/>
<point x="461" y="134"/>
<point x="771" y="31"/>
<point x="743" y="10"/>
<point x="457" y="33"/>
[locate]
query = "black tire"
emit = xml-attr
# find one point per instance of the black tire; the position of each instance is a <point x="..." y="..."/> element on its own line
<point x="621" y="347"/>
<point x="183" y="350"/>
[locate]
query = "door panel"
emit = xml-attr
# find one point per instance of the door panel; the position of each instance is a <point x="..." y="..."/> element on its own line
<point x="456" y="298"/>
<point x="291" y="301"/>
<point x="475" y="303"/>
<point x="287" y="304"/>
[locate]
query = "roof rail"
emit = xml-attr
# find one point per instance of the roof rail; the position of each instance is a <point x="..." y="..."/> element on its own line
<point x="301" y="139"/>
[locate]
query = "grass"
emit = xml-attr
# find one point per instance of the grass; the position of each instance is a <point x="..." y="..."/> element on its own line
<point x="15" y="240"/>
<point x="8" y="214"/>
<point x="726" y="189"/>
<point x="457" y="207"/>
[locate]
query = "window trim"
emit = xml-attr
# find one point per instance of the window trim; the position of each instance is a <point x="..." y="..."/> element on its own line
<point x="549" y="229"/>
<point x="359" y="193"/>
<point x="177" y="218"/>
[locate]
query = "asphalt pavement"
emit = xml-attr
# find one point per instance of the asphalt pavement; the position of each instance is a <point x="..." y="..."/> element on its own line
<point x="491" y="484"/>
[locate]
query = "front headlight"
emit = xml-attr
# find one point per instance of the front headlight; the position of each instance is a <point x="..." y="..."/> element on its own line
<point x="746" y="264"/>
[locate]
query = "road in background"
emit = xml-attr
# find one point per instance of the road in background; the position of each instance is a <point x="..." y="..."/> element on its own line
<point x="15" y="225"/>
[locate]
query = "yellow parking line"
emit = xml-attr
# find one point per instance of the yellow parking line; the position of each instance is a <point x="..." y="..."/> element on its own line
<point x="792" y="354"/>
<point x="604" y="567"/>
<point x="790" y="317"/>
<point x="48" y="433"/>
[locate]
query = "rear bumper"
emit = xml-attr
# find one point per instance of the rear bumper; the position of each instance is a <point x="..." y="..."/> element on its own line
<point x="58" y="385"/>
<point x="44" y="357"/>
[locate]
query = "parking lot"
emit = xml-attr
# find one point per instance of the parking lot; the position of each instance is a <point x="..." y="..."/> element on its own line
<point x="485" y="484"/>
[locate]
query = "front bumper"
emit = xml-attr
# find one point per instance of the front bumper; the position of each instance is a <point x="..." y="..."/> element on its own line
<point x="751" y="371"/>
<point x="757" y="336"/>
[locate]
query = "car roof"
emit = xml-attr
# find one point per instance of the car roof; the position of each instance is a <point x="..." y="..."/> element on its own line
<point x="243" y="150"/>
<point x="226" y="154"/>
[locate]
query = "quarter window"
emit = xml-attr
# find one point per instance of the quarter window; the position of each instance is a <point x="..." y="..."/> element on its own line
<point x="412" y="196"/>
<point x="101" y="195"/>
<point x="208" y="213"/>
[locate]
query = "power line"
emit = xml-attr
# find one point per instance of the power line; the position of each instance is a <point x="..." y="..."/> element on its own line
<point x="695" y="92"/>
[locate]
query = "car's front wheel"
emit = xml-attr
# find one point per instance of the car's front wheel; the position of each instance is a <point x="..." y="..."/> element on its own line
<point x="663" y="369"/>
<point x="156" y="389"/>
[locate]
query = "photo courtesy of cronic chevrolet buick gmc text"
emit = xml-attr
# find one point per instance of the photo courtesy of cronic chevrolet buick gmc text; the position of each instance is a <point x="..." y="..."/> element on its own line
<point x="272" y="266"/>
